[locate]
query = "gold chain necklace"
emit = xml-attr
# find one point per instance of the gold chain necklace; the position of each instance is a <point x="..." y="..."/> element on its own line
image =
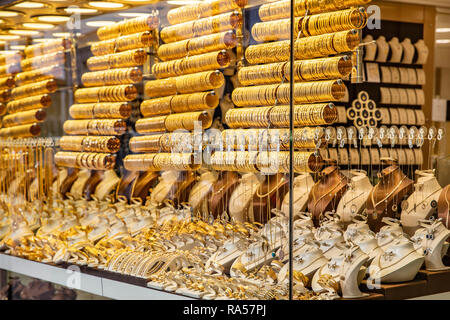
<point x="386" y="197"/>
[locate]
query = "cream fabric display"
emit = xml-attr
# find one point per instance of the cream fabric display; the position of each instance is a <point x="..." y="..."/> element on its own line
<point x="382" y="49"/>
<point x="78" y="186"/>
<point x="166" y="182"/>
<point x="303" y="184"/>
<point x="201" y="189"/>
<point x="107" y="185"/>
<point x="242" y="196"/>
<point x="422" y="52"/>
<point x="396" y="50"/>
<point x="370" y="48"/>
<point x="408" y="51"/>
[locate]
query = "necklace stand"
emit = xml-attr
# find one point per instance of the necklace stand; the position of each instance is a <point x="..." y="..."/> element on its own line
<point x="327" y="192"/>
<point x="421" y="204"/>
<point x="303" y="184"/>
<point x="386" y="196"/>
<point x="242" y="196"/>
<point x="354" y="200"/>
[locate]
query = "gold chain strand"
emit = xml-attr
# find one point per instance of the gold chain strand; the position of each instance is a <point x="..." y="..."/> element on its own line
<point x="106" y="110"/>
<point x="281" y="9"/>
<point x="95" y="161"/>
<point x="124" y="43"/>
<point x="130" y="26"/>
<point x="131" y="58"/>
<point x="203" y="62"/>
<point x="214" y="24"/>
<point x="203" y="9"/>
<point x="25" y="117"/>
<point x="30" y="103"/>
<point x="263" y="117"/>
<point x="195" y="46"/>
<point x="305" y="92"/>
<point x="95" y="127"/>
<point x="305" y="70"/>
<point x="202" y="81"/>
<point x="106" y="94"/>
<point x="104" y="144"/>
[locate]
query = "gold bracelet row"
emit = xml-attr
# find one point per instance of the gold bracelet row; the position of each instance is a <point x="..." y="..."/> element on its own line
<point x="131" y="58"/>
<point x="187" y="121"/>
<point x="201" y="27"/>
<point x="180" y="103"/>
<point x="56" y="58"/>
<point x="102" y="110"/>
<point x="23" y="131"/>
<point x="177" y="142"/>
<point x="189" y="83"/>
<point x="279" y="116"/>
<point x="108" y="144"/>
<point x="95" y="127"/>
<point x="112" y="77"/>
<point x="95" y="161"/>
<point x="124" y="43"/>
<point x="46" y="73"/>
<point x="203" y="9"/>
<point x="160" y="161"/>
<point x="48" y="47"/>
<point x="29" y="103"/>
<point x="202" y="62"/>
<point x="304" y="70"/>
<point x="304" y="92"/>
<point x="25" y="117"/>
<point x="125" y="92"/>
<point x="130" y="26"/>
<point x="195" y="46"/>
<point x="34" y="89"/>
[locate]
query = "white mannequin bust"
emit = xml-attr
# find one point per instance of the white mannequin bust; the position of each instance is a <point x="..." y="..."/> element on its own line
<point x="408" y="51"/>
<point x="422" y="52"/>
<point x="243" y="195"/>
<point x="396" y="49"/>
<point x="383" y="49"/>
<point x="370" y="49"/>
<point x="303" y="184"/>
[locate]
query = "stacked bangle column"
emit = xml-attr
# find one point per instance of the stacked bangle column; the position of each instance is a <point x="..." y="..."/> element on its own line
<point x="9" y="67"/>
<point x="103" y="105"/>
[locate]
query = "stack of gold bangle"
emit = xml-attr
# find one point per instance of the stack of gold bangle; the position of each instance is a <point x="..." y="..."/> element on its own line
<point x="177" y="142"/>
<point x="47" y="47"/>
<point x="9" y="70"/>
<point x="180" y="103"/>
<point x="355" y="18"/>
<point x="95" y="127"/>
<point x="131" y="58"/>
<point x="189" y="83"/>
<point x="130" y="26"/>
<point x="115" y="110"/>
<point x="33" y="89"/>
<point x="22" y="131"/>
<point x="103" y="144"/>
<point x="112" y="77"/>
<point x="203" y="62"/>
<point x="187" y="121"/>
<point x="7" y="83"/>
<point x="203" y="9"/>
<point x="305" y="48"/>
<point x="213" y="42"/>
<point x="304" y="70"/>
<point x="160" y="161"/>
<point x="278" y="116"/>
<point x="56" y="58"/>
<point x="126" y="92"/>
<point x="281" y="9"/>
<point x="11" y="57"/>
<point x="304" y="92"/>
<point x="124" y="43"/>
<point x="275" y="139"/>
<point x="30" y="103"/>
<point x="25" y="117"/>
<point x="96" y="161"/>
<point x="201" y="27"/>
<point x="42" y="74"/>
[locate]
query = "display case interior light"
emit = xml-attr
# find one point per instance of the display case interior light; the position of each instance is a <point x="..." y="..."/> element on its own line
<point x="29" y="5"/>
<point x="99" y="23"/>
<point x="39" y="26"/>
<point x="18" y="47"/>
<point x="442" y="30"/>
<point x="182" y="2"/>
<point x="53" y="18"/>
<point x="443" y="41"/>
<point x="24" y="32"/>
<point x="39" y="40"/>
<point x="9" y="37"/>
<point x="106" y="5"/>
<point x="8" y="14"/>
<point x="75" y="10"/>
<point x="138" y="2"/>
<point x="132" y="14"/>
<point x="61" y="34"/>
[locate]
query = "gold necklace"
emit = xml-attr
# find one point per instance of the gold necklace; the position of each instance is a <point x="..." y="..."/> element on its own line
<point x="386" y="197"/>
<point x="332" y="189"/>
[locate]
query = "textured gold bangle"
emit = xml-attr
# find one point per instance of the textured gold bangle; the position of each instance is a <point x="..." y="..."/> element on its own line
<point x="105" y="110"/>
<point x="96" y="161"/>
<point x="106" y="94"/>
<point x="23" y="131"/>
<point x="47" y="60"/>
<point x="103" y="144"/>
<point x="25" y="117"/>
<point x="38" y="75"/>
<point x="30" y="103"/>
<point x="124" y="43"/>
<point x="174" y="122"/>
<point x="112" y="77"/>
<point x="33" y="89"/>
<point x="129" y="26"/>
<point x="95" y="127"/>
<point x="160" y="161"/>
<point x="131" y="58"/>
<point x="47" y="47"/>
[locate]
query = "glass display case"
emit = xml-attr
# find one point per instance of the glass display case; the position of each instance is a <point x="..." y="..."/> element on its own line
<point x="217" y="149"/>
